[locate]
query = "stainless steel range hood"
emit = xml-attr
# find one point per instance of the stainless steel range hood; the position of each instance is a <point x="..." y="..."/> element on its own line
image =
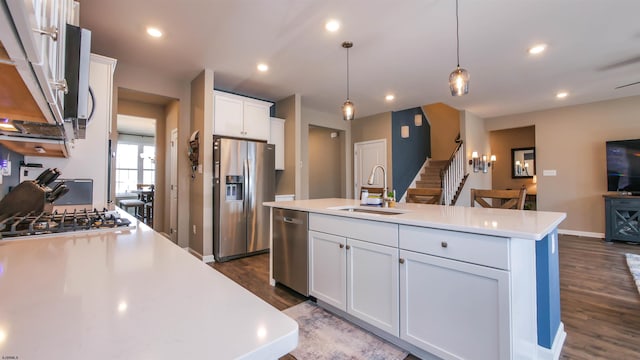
<point x="28" y="121"/>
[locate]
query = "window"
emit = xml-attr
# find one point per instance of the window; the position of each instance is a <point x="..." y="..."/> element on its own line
<point x="135" y="164"/>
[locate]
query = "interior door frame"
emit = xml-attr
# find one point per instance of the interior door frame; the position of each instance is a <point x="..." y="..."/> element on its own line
<point x="173" y="186"/>
<point x="357" y="153"/>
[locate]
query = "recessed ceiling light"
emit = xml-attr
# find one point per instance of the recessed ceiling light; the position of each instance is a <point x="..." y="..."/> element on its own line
<point x="332" y="25"/>
<point x="262" y="67"/>
<point x="562" y="94"/>
<point x="389" y="97"/>
<point x="537" y="49"/>
<point x="154" y="32"/>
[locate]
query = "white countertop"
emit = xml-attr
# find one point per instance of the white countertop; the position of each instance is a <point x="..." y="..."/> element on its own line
<point x="128" y="294"/>
<point x="524" y="224"/>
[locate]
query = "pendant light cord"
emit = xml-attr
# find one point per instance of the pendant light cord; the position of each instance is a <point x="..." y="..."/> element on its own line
<point x="457" y="38"/>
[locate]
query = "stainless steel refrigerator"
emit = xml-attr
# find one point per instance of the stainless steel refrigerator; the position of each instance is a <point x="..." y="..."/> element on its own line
<point x="244" y="178"/>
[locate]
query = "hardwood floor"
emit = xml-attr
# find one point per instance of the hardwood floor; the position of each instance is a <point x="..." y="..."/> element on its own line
<point x="600" y="303"/>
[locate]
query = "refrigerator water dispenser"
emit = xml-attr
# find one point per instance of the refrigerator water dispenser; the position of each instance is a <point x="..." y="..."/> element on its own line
<point x="234" y="187"/>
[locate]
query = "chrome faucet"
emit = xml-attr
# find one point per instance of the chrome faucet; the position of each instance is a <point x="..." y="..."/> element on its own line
<point x="385" y="199"/>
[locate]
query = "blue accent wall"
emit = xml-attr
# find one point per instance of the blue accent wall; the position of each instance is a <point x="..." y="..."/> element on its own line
<point x="548" y="288"/>
<point x="408" y="155"/>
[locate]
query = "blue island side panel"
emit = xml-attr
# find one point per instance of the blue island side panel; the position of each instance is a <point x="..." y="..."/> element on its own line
<point x="548" y="288"/>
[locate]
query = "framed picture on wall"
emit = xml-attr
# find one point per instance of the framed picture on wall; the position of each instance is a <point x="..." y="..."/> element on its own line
<point x="523" y="162"/>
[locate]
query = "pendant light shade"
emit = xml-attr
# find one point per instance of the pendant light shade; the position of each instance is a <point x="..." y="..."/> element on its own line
<point x="459" y="78"/>
<point x="459" y="82"/>
<point x="348" y="110"/>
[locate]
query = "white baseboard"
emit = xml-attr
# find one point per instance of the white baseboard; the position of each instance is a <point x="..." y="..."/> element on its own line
<point x="206" y="259"/>
<point x="556" y="348"/>
<point x="581" y="233"/>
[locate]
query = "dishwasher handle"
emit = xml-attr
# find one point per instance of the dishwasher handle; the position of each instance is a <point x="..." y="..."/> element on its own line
<point x="290" y="220"/>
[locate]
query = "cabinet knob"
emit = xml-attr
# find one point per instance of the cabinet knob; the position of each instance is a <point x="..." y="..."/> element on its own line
<point x="401" y="261"/>
<point x="341" y="246"/>
<point x="348" y="247"/>
<point x="444" y="244"/>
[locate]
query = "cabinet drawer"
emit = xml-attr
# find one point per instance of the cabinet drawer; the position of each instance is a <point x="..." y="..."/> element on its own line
<point x="473" y="248"/>
<point x="372" y="231"/>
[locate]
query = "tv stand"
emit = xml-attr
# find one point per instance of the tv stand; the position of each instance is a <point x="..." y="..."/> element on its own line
<point x="622" y="214"/>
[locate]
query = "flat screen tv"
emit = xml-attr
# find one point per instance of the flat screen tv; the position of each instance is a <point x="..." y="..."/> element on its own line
<point x="623" y="166"/>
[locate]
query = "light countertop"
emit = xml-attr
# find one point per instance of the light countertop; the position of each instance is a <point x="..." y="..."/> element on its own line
<point x="129" y="294"/>
<point x="524" y="224"/>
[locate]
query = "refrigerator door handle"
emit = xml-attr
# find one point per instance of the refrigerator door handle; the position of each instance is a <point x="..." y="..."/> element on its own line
<point x="247" y="182"/>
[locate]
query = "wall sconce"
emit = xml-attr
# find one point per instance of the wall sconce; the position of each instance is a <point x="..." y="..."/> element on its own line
<point x="417" y="119"/>
<point x="480" y="163"/>
<point x="404" y="131"/>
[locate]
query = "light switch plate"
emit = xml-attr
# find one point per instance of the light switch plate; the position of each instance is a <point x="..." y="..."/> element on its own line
<point x="549" y="173"/>
<point x="6" y="169"/>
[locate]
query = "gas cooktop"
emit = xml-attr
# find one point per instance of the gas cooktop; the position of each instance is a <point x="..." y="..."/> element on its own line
<point x="39" y="223"/>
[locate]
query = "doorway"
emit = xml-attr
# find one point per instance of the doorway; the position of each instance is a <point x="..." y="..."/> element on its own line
<point x="366" y="155"/>
<point x="326" y="163"/>
<point x="156" y="157"/>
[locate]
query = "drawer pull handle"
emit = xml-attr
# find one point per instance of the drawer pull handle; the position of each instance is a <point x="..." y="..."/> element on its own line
<point x="348" y="247"/>
<point x="401" y="261"/>
<point x="341" y="246"/>
<point x="444" y="244"/>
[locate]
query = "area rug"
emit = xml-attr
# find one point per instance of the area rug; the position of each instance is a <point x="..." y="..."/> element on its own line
<point x="633" y="261"/>
<point x="325" y="336"/>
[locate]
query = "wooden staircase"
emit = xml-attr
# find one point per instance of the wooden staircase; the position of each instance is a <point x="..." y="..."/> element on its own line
<point x="431" y="177"/>
<point x="449" y="175"/>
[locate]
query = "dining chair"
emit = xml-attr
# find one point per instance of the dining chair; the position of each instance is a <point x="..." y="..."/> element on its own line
<point x="503" y="199"/>
<point x="425" y="196"/>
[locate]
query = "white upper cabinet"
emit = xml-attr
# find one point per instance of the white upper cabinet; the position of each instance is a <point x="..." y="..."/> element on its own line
<point x="241" y="117"/>
<point x="276" y="137"/>
<point x="41" y="27"/>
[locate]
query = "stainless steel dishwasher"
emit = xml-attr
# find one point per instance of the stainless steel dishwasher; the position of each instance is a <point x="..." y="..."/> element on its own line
<point x="290" y="249"/>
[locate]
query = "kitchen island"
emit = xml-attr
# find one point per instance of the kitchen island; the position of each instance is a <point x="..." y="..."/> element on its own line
<point x="440" y="281"/>
<point x="128" y="294"/>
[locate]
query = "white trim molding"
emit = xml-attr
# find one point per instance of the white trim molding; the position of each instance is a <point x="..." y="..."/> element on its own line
<point x="556" y="348"/>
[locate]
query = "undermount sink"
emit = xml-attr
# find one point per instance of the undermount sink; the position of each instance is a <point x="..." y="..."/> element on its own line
<point x="369" y="210"/>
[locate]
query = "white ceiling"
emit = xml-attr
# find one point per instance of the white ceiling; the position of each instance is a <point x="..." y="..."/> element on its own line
<point x="406" y="47"/>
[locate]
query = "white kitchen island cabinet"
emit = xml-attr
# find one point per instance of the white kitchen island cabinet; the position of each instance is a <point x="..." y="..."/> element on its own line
<point x="469" y="283"/>
<point x="241" y="117"/>
<point x="358" y="276"/>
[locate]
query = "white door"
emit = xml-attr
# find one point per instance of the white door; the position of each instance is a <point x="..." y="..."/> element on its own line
<point x="454" y="309"/>
<point x="366" y="155"/>
<point x="327" y="269"/>
<point x="372" y="284"/>
<point x="173" y="192"/>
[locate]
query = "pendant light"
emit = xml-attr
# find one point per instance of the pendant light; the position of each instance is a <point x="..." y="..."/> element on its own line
<point x="348" y="110"/>
<point x="459" y="78"/>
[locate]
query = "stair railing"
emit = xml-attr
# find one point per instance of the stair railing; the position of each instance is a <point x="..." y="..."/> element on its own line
<point x="453" y="174"/>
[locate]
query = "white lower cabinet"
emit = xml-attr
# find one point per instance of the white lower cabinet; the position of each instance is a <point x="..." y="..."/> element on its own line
<point x="328" y="269"/>
<point x="372" y="284"/>
<point x="358" y="277"/>
<point x="454" y="309"/>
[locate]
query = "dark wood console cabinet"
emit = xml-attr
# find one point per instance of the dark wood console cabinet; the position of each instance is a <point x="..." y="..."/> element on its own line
<point x="622" y="213"/>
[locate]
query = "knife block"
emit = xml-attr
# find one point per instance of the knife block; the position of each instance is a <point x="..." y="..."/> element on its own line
<point x="24" y="198"/>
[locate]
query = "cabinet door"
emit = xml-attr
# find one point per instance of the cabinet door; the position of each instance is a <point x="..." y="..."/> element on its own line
<point x="256" y="121"/>
<point x="372" y="284"/>
<point x="453" y="309"/>
<point x="227" y="116"/>
<point x="327" y="269"/>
